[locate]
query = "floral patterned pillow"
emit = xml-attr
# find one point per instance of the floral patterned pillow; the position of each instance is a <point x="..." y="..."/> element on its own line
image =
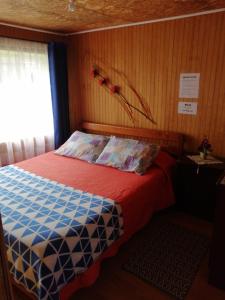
<point x="128" y="155"/>
<point x="83" y="146"/>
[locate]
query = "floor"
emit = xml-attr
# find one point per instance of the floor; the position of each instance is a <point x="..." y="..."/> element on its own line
<point x="115" y="283"/>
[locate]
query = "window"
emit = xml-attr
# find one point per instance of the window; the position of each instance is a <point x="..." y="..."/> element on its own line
<point x="25" y="94"/>
<point x="26" y="119"/>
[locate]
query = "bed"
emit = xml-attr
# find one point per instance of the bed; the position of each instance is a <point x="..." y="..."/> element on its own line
<point x="135" y="199"/>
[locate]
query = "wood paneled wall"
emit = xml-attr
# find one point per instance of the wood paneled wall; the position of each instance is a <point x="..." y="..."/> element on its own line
<point x="31" y="35"/>
<point x="152" y="57"/>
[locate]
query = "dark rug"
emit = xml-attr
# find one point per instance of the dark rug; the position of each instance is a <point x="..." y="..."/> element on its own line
<point x="168" y="256"/>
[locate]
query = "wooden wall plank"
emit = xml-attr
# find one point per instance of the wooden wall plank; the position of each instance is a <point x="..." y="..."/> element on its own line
<point x="152" y="57"/>
<point x="17" y="33"/>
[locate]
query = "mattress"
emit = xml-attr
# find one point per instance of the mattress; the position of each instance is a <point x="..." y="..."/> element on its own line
<point x="138" y="196"/>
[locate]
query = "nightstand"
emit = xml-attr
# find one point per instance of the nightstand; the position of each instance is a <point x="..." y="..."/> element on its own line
<point x="217" y="253"/>
<point x="195" y="187"/>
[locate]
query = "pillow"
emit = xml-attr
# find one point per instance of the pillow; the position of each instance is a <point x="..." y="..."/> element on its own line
<point x="128" y="155"/>
<point x="83" y="146"/>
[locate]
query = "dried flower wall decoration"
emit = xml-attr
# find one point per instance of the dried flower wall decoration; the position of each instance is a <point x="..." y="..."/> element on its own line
<point x="115" y="90"/>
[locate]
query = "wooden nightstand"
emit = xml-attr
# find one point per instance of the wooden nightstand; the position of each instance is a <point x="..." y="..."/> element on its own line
<point x="195" y="187"/>
<point x="217" y="253"/>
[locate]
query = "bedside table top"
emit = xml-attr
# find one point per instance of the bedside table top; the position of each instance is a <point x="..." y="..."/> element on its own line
<point x="185" y="160"/>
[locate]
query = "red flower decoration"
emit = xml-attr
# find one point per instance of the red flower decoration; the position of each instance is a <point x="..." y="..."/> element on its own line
<point x="205" y="146"/>
<point x="102" y="81"/>
<point x="114" y="89"/>
<point x="94" y="72"/>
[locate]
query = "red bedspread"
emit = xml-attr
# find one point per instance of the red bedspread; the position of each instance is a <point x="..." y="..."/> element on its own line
<point x="139" y="196"/>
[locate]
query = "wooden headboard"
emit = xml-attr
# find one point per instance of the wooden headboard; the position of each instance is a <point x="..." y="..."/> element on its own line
<point x="171" y="142"/>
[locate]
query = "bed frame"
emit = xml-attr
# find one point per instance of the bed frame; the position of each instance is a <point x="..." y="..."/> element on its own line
<point x="169" y="141"/>
<point x="5" y="283"/>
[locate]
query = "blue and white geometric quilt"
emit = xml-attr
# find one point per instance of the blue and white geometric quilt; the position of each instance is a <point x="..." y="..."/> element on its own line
<point x="53" y="232"/>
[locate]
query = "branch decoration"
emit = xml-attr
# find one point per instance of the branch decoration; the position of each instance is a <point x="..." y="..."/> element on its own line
<point x="115" y="90"/>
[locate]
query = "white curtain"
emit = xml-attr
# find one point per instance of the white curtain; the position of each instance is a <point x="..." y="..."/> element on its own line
<point x="26" y="120"/>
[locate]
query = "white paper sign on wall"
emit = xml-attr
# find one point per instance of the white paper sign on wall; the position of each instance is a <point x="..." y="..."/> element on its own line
<point x="189" y="85"/>
<point x="187" y="108"/>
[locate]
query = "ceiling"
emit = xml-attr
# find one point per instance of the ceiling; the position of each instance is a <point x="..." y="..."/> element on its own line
<point x="53" y="15"/>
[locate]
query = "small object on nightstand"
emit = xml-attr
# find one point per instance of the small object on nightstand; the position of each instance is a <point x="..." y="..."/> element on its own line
<point x="205" y="148"/>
